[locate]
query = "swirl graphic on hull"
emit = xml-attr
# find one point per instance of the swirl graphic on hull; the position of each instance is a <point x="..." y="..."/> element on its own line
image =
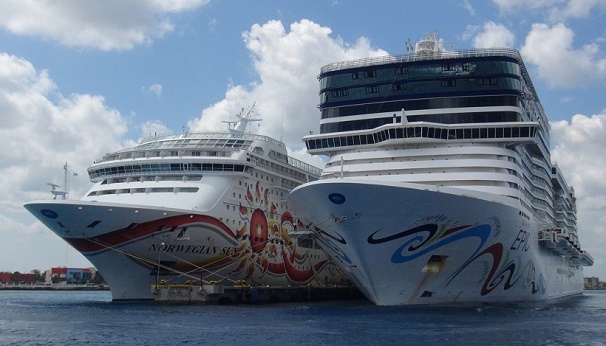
<point x="427" y="238"/>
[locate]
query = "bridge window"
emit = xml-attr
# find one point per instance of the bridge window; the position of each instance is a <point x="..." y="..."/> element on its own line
<point x="504" y="132"/>
<point x="449" y="83"/>
<point x="516" y="132"/>
<point x="372" y="89"/>
<point x="399" y="86"/>
<point x="483" y="133"/>
<point x="486" y="81"/>
<point x="340" y="93"/>
<point x="448" y="67"/>
<point x="402" y="70"/>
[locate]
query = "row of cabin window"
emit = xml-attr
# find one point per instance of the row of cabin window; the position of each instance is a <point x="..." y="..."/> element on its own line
<point x="449" y="83"/>
<point x="404" y="70"/>
<point x="165" y="167"/>
<point x="422" y="132"/>
<point x="194" y="143"/>
<point x="386" y="73"/>
<point x="441" y="118"/>
<point x="415" y="104"/>
<point x="144" y="190"/>
<point x="164" y="153"/>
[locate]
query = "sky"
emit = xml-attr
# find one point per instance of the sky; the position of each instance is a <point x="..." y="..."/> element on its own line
<point x="79" y="79"/>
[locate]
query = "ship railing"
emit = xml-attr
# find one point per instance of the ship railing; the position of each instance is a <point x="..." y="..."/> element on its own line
<point x="197" y="135"/>
<point x="204" y="152"/>
<point x="159" y="169"/>
<point x="541" y="165"/>
<point x="192" y="144"/>
<point x="557" y="177"/>
<point x="304" y="166"/>
<point x="546" y="234"/>
<point x="536" y="178"/>
<point x="586" y="259"/>
<point x="538" y="192"/>
<point x="446" y="54"/>
<point x="290" y="171"/>
<point x="188" y="135"/>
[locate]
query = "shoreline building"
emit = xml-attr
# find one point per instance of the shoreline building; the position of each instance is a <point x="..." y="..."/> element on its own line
<point x="69" y="276"/>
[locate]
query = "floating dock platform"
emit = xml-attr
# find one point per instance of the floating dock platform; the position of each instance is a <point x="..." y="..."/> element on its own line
<point x="245" y="294"/>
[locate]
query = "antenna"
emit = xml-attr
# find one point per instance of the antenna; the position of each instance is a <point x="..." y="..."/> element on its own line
<point x="281" y="123"/>
<point x="245" y="117"/>
<point x="55" y="192"/>
<point x="409" y="47"/>
<point x="66" y="180"/>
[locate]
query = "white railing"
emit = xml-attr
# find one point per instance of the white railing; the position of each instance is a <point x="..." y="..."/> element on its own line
<point x="206" y="135"/>
<point x="386" y="59"/>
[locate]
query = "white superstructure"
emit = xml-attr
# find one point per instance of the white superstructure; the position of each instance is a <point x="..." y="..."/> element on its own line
<point x="439" y="186"/>
<point x="198" y="207"/>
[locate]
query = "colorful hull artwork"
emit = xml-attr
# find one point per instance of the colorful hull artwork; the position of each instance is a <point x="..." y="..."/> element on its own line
<point x="135" y="246"/>
<point x="419" y="246"/>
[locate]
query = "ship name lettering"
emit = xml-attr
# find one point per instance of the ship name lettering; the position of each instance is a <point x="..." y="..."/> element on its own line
<point x="190" y="249"/>
<point x="521" y="241"/>
<point x="227" y="250"/>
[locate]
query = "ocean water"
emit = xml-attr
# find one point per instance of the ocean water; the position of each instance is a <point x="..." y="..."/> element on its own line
<point x="90" y="318"/>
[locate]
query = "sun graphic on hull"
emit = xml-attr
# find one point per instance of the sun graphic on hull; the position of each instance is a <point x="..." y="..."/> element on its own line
<point x="268" y="246"/>
<point x="263" y="247"/>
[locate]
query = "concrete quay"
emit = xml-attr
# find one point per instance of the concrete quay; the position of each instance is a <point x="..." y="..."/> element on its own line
<point x="246" y="294"/>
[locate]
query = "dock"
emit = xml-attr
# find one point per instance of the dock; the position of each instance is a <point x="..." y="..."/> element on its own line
<point x="246" y="294"/>
<point x="54" y="288"/>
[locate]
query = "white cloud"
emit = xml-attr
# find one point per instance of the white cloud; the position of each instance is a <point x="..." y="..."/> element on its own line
<point x="287" y="64"/>
<point x="156" y="89"/>
<point x="554" y="10"/>
<point x="470" y="31"/>
<point x="493" y="35"/>
<point x="26" y="246"/>
<point x="106" y="25"/>
<point x="576" y="9"/>
<point x="212" y="24"/>
<point x="513" y="5"/>
<point x="577" y="148"/>
<point x="176" y="5"/>
<point x="40" y="130"/>
<point x="466" y="5"/>
<point x="154" y="127"/>
<point x="576" y="144"/>
<point x="551" y="49"/>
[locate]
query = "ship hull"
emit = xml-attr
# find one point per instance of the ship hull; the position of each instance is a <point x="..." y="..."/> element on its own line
<point x="409" y="244"/>
<point x="135" y="247"/>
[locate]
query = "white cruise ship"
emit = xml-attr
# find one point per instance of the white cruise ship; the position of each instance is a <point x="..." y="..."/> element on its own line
<point x="198" y="207"/>
<point x="439" y="186"/>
